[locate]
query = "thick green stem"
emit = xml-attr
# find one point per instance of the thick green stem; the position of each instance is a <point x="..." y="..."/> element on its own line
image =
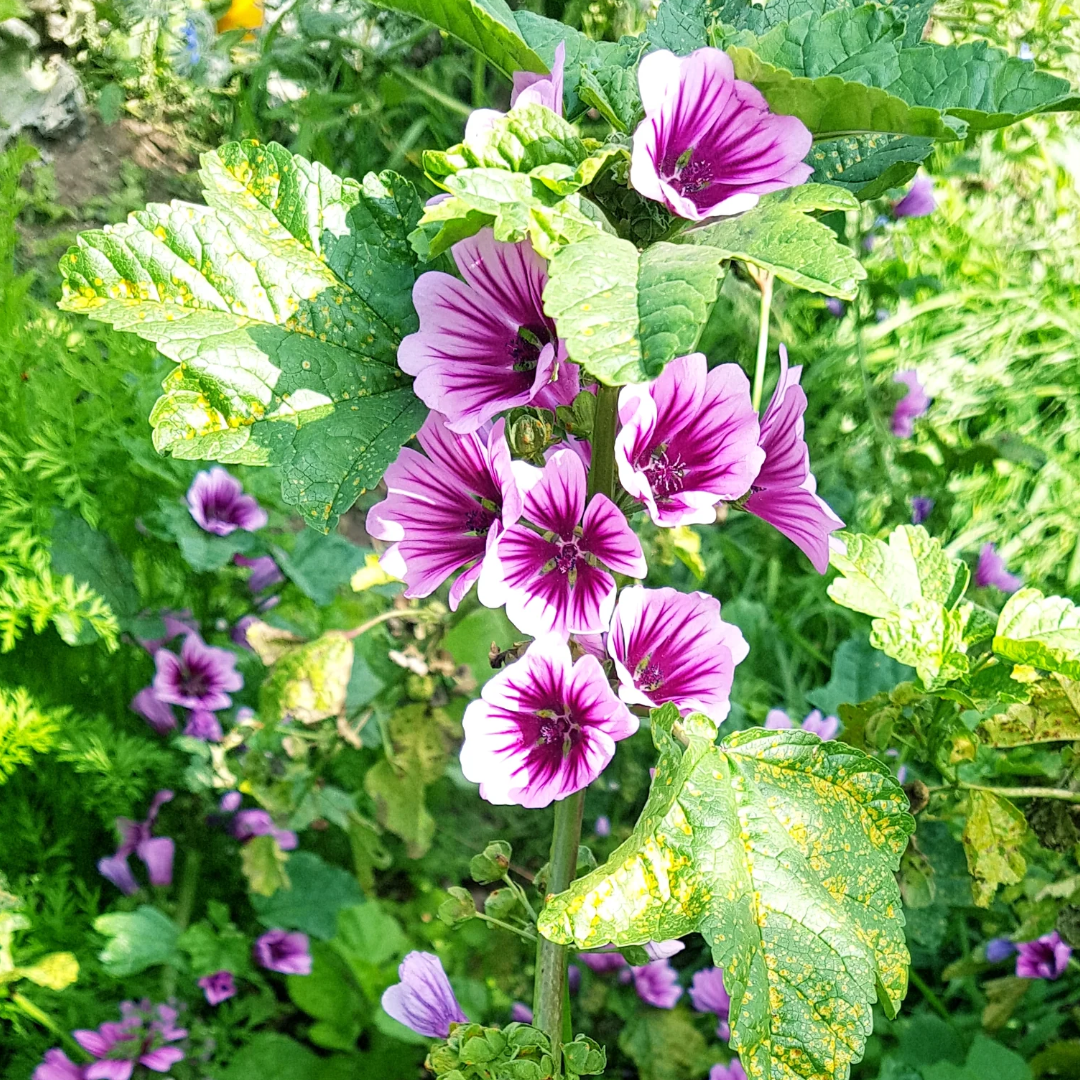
<point x="550" y="996"/>
<point x="766" y="285"/>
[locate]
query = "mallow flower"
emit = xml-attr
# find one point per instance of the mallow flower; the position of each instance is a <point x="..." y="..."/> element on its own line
<point x="424" y="1000"/>
<point x="142" y="1037"/>
<point x="824" y="727"/>
<point x="919" y="201"/>
<point x="708" y="144"/>
<point x="520" y="1013"/>
<point x="218" y="987"/>
<point x="708" y="995"/>
<point x="555" y="575"/>
<point x="543" y="727"/>
<point x="991" y="570"/>
<point x="251" y="823"/>
<point x="1044" y="958"/>
<point x="657" y="984"/>
<point x="155" y="852"/>
<point x="218" y="504"/>
<point x="444" y="508"/>
<point x="203" y="725"/>
<point x="673" y="646"/>
<point x="784" y="492"/>
<point x="283" y="951"/>
<point x="922" y="506"/>
<point x="998" y="949"/>
<point x="484" y="343"/>
<point x="58" y="1066"/>
<point x="529" y="89"/>
<point x="911" y="406"/>
<point x="157" y="713"/>
<point x="264" y="571"/>
<point x="689" y="439"/>
<point x="199" y="677"/>
<point x="733" y="1070"/>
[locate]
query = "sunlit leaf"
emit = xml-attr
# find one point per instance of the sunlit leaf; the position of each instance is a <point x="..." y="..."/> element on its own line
<point x="1052" y="715"/>
<point x="1043" y="631"/>
<point x="992" y="836"/>
<point x="137" y="940"/>
<point x="309" y="682"/>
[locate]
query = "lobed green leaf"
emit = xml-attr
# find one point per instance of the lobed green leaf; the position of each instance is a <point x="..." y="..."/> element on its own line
<point x="1043" y="631"/>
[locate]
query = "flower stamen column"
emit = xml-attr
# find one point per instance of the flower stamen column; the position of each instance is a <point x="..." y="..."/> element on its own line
<point x="550" y="994"/>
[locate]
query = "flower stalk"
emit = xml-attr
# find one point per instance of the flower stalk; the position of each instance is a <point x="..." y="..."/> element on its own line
<point x="550" y="995"/>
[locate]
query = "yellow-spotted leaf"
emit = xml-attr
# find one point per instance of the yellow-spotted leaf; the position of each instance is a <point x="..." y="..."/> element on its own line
<point x="781" y="851"/>
<point x="282" y="303"/>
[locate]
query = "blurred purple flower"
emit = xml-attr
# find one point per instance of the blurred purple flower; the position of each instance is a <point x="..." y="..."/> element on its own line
<point x="922" y="506"/>
<point x="998" y="949"/>
<point x="218" y="504"/>
<point x="835" y="307"/>
<point x="911" y="406"/>
<point x="603" y="961"/>
<point x="203" y="725"/>
<point x="673" y="646"/>
<point x="156" y="853"/>
<point x="785" y="491"/>
<point x="485" y="343"/>
<point x="230" y="802"/>
<point x="901" y="774"/>
<point x="657" y="984"/>
<point x="733" y="1070"/>
<point x="218" y="987"/>
<point x="424" y="1000"/>
<point x="824" y="727"/>
<point x="199" y="677"/>
<point x="176" y="623"/>
<point x="238" y="634"/>
<point x="264" y="571"/>
<point x="543" y="727"/>
<point x="249" y="823"/>
<point x="556" y="578"/>
<point x="573" y="978"/>
<point x="689" y="440"/>
<point x="1044" y="958"/>
<point x="707" y="994"/>
<point x="990" y="570"/>
<point x="520" y="1013"/>
<point x="709" y="144"/>
<point x="141" y="1037"/>
<point x="919" y="201"/>
<point x="602" y="828"/>
<point x="58" y="1066"/>
<point x="157" y="713"/>
<point x="662" y="950"/>
<point x="283" y="951"/>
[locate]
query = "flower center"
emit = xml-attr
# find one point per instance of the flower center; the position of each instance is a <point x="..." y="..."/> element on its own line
<point x="648" y="675"/>
<point x="665" y="476"/>
<point x="526" y="347"/>
<point x="568" y="557"/>
<point x="691" y="176"/>
<point x="557" y="729"/>
<point x="478" y="521"/>
<point x="196" y="682"/>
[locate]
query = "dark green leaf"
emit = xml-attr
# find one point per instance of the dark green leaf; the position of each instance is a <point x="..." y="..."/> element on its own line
<point x="869" y="165"/>
<point x="91" y="557"/>
<point x="320" y="565"/>
<point x="318" y="892"/>
<point x="859" y="672"/>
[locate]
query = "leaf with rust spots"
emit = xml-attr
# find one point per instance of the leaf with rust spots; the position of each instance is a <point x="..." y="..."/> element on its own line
<point x="993" y="833"/>
<point x="1052" y="715"/>
<point x="309" y="683"/>
<point x="781" y="851"/>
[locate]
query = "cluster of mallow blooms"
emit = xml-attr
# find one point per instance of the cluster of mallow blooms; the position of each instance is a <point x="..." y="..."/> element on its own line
<point x="462" y="510"/>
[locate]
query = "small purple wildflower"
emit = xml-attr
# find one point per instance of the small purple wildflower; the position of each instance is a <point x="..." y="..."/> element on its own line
<point x="998" y="949"/>
<point x="249" y="823"/>
<point x="283" y="951"/>
<point x="919" y="201"/>
<point x="733" y="1070"/>
<point x="990" y="570"/>
<point x="911" y="406"/>
<point x="156" y="853"/>
<point x="264" y="571"/>
<point x="424" y="1000"/>
<point x="520" y="1013"/>
<point x="141" y="1037"/>
<point x="203" y="725"/>
<point x="157" y="713"/>
<point x="662" y="950"/>
<point x="602" y="828"/>
<point x="603" y="961"/>
<point x="58" y="1066"/>
<point x="218" y="987"/>
<point x="573" y="978"/>
<point x="835" y="307"/>
<point x="238" y="634"/>
<point x="1044" y="958"/>
<point x="218" y="504"/>
<point x="824" y="727"/>
<point x="922" y="506"/>
<point x="199" y="677"/>
<point x="657" y="984"/>
<point x="230" y="802"/>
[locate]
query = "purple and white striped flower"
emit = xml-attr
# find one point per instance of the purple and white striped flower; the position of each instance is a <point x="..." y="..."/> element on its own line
<point x="555" y="577"/>
<point x="155" y="852"/>
<point x="424" y="999"/>
<point x="709" y="144"/>
<point x="543" y="727"/>
<point x="218" y="504"/>
<point x="142" y="1037"/>
<point x="198" y="678"/>
<point x="529" y="89"/>
<point x="444" y="510"/>
<point x="484" y="344"/>
<point x="673" y="646"/>
<point x="785" y="492"/>
<point x="991" y="570"/>
<point x="911" y="406"/>
<point x="689" y="439"/>
<point x="733" y="1070"/>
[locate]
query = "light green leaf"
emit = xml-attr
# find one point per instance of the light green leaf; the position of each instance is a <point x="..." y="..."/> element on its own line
<point x="868" y="165"/>
<point x="613" y="91"/>
<point x="992" y="836"/>
<point x="318" y="891"/>
<point x="664" y="1044"/>
<point x="484" y="25"/>
<point x="282" y="303"/>
<point x="330" y="995"/>
<point x="138" y="940"/>
<point x="779" y="235"/>
<point x="1052" y="715"/>
<point x="781" y="851"/>
<point x="1043" y="631"/>
<point x="263" y="864"/>
<point x="927" y="636"/>
<point x="880" y="577"/>
<point x="400" y="807"/>
<point x="368" y="935"/>
<point x="832" y="107"/>
<point x="625" y="314"/>
<point x="309" y="683"/>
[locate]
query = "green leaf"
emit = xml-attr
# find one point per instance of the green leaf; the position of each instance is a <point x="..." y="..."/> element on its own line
<point x="779" y="235"/>
<point x="484" y="25"/>
<point x="138" y="940"/>
<point x="282" y="303"/>
<point x="309" y="683"/>
<point x="90" y="556"/>
<point x="832" y="107"/>
<point x="680" y="26"/>
<point x="201" y="550"/>
<point x="613" y="92"/>
<point x="781" y="851"/>
<point x="1043" y="631"/>
<point x="760" y="18"/>
<point x="367" y="934"/>
<point x="263" y="864"/>
<point x="400" y="807"/>
<point x="319" y="565"/>
<point x="318" y="891"/>
<point x="625" y="314"/>
<point x="211" y="949"/>
<point x="859" y="672"/>
<point x="269" y="1053"/>
<point x="868" y="165"/>
<point x="927" y="636"/>
<point x="329" y="994"/>
<point x="1052" y="715"/>
<point x="993" y="834"/>
<point x="880" y="577"/>
<point x="664" y="1044"/>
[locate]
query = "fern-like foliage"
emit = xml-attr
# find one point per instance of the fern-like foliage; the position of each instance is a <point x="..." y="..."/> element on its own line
<point x="25" y="729"/>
